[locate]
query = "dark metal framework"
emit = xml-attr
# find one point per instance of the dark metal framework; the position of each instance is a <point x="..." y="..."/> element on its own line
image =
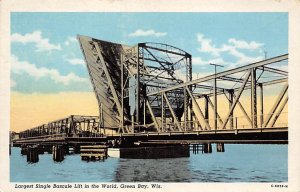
<point x="72" y="126"/>
<point x="151" y="67"/>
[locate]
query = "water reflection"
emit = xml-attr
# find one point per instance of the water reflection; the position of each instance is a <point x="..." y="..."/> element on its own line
<point x="151" y="170"/>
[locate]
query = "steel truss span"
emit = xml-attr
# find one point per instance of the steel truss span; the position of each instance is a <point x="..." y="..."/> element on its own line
<point x="148" y="88"/>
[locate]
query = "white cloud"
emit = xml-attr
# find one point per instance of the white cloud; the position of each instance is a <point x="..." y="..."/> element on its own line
<point x="144" y="33"/>
<point x="233" y="47"/>
<point x="41" y="44"/>
<point x="19" y="67"/>
<point x="200" y="61"/>
<point x="207" y="46"/>
<point x="70" y="40"/>
<point x="75" y="61"/>
<point x="240" y="44"/>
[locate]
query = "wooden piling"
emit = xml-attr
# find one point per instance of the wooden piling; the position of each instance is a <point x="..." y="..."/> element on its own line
<point x="32" y="154"/>
<point x="58" y="153"/>
<point x="23" y="150"/>
<point x="207" y="148"/>
<point x="220" y="147"/>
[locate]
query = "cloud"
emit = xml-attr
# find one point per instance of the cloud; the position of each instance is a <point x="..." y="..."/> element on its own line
<point x="75" y="61"/>
<point x="200" y="61"/>
<point x="19" y="67"/>
<point x="207" y="46"/>
<point x="41" y="44"/>
<point x="233" y="47"/>
<point x="240" y="44"/>
<point x="70" y="40"/>
<point x="144" y="33"/>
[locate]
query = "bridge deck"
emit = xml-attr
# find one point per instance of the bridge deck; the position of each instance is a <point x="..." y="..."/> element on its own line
<point x="245" y="136"/>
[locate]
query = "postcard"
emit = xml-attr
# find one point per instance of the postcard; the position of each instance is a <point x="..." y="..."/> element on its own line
<point x="149" y="96"/>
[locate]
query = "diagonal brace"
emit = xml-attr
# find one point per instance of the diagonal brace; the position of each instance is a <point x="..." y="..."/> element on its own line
<point x="195" y="104"/>
<point x="212" y="105"/>
<point x="241" y="89"/>
<point x="114" y="93"/>
<point x="152" y="115"/>
<point x="276" y="104"/>
<point x="172" y="112"/>
<point x="279" y="111"/>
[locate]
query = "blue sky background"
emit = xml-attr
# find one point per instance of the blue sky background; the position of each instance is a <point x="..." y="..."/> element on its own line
<point x="47" y="58"/>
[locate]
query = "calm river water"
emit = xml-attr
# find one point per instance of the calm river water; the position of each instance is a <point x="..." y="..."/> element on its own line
<point x="239" y="163"/>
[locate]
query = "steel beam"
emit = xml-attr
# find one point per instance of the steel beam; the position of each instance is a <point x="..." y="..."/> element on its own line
<point x="152" y="115"/>
<point x="243" y="110"/>
<point x="215" y="103"/>
<point x="253" y="98"/>
<point x="276" y="104"/>
<point x="273" y="70"/>
<point x="261" y="104"/>
<point x="279" y="112"/>
<point x="122" y="91"/>
<point x="166" y="50"/>
<point x="163" y="115"/>
<point x="218" y="116"/>
<point x="137" y="108"/>
<point x="195" y="104"/>
<point x="233" y="79"/>
<point x="206" y="110"/>
<point x="172" y="112"/>
<point x="185" y="108"/>
<point x="230" y="99"/>
<point x="110" y="83"/>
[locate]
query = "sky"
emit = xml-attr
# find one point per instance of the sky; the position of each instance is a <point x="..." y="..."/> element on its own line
<point x="46" y="58"/>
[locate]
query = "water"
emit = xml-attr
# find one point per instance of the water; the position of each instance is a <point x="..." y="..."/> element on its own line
<point x="239" y="163"/>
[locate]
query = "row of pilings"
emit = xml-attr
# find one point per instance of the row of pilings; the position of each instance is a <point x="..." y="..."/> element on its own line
<point x="58" y="151"/>
<point x="207" y="148"/>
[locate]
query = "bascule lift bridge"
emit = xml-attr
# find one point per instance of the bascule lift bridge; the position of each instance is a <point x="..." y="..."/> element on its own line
<point x="146" y="93"/>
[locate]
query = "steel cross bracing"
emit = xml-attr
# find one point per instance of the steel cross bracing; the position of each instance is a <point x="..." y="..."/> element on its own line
<point x="149" y="67"/>
<point x="252" y="79"/>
